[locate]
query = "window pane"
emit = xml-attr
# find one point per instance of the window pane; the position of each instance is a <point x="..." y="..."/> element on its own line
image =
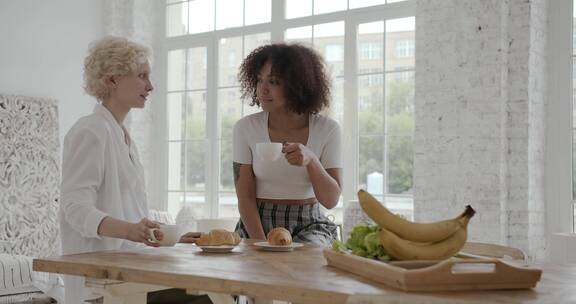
<point x="228" y="205"/>
<point x="195" y="115"/>
<point x="253" y="41"/>
<point x="371" y="164"/>
<point x="194" y="200"/>
<point x="329" y="30"/>
<point x="226" y="175"/>
<point x="299" y="34"/>
<point x="400" y="162"/>
<point x="298" y="8"/>
<point x="336" y="110"/>
<point x="371" y="104"/>
<point x="197" y="201"/>
<point x="400" y="103"/>
<point x="327" y="6"/>
<point x="230" y="54"/>
<point x="258" y="11"/>
<point x="365" y="3"/>
<point x="201" y="16"/>
<point x="370" y="47"/>
<point x="177" y="19"/>
<point x="175" y="202"/>
<point x="230" y="110"/>
<point x="329" y="41"/>
<point x="400" y="45"/>
<point x="229" y="13"/>
<point x="195" y="164"/>
<point x="175" y="166"/>
<point x="196" y="71"/>
<point x="175" y="108"/>
<point x="176" y="70"/>
<point x="334" y="53"/>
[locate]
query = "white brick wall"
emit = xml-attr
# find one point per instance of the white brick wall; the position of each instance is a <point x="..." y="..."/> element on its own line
<point x="479" y="138"/>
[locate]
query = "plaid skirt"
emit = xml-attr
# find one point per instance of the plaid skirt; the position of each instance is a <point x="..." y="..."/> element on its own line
<point x="306" y="223"/>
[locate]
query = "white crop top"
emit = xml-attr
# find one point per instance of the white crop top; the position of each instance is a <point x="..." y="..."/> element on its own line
<point x="278" y="179"/>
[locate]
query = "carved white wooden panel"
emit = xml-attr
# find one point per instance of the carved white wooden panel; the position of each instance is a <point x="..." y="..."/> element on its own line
<point x="29" y="176"/>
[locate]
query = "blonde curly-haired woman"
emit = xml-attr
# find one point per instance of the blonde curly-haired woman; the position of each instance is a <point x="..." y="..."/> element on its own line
<point x="103" y="197"/>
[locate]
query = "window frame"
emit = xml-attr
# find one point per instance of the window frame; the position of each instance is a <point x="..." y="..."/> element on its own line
<point x="351" y="17"/>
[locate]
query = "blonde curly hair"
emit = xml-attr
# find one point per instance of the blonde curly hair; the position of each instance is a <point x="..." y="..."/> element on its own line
<point x="111" y="56"/>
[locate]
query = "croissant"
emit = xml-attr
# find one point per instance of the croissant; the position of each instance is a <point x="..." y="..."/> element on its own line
<point x="279" y="236"/>
<point x="217" y="237"/>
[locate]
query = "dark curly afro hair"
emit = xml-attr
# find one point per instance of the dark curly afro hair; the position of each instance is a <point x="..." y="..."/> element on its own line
<point x="301" y="69"/>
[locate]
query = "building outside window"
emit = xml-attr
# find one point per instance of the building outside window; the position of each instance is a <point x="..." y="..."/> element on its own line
<point x="405" y="48"/>
<point x="370" y="50"/>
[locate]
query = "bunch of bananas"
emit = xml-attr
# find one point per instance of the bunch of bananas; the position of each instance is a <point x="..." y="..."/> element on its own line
<point x="406" y="240"/>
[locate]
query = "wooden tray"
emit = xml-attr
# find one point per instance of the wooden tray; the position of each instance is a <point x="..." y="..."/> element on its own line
<point x="451" y="274"/>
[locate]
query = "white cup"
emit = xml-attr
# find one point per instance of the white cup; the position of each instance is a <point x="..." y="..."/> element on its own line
<point x="171" y="235"/>
<point x="269" y="151"/>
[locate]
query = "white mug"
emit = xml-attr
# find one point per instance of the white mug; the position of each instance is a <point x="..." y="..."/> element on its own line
<point x="269" y="151"/>
<point x="171" y="235"/>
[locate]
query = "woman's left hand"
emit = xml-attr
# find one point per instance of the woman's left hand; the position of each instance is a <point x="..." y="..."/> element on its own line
<point x="297" y="154"/>
<point x="189" y="237"/>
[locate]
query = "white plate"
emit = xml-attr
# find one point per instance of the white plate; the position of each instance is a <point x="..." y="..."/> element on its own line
<point x="217" y="249"/>
<point x="269" y="247"/>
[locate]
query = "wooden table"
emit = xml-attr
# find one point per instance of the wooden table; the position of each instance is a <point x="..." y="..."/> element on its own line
<point x="301" y="276"/>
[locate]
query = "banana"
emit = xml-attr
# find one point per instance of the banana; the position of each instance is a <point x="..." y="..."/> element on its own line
<point x="417" y="232"/>
<point x="401" y="249"/>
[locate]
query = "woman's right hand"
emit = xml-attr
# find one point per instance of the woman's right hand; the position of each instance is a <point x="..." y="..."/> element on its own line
<point x="190" y="237"/>
<point x="140" y="232"/>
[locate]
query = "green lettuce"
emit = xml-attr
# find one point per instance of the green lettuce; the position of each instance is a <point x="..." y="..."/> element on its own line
<point x="363" y="241"/>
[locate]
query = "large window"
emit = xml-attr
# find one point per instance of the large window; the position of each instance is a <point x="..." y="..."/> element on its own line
<point x="370" y="56"/>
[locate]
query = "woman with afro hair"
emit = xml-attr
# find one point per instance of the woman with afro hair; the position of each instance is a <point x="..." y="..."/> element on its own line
<point x="290" y="83"/>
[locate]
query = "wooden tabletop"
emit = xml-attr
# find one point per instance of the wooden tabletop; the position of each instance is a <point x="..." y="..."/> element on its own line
<point x="300" y="276"/>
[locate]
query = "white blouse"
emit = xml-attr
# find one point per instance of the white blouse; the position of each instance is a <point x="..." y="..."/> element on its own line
<point x="101" y="176"/>
<point x="279" y="179"/>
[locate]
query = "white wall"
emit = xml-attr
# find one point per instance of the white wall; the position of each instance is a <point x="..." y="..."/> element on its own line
<point x="480" y="110"/>
<point x="43" y="44"/>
